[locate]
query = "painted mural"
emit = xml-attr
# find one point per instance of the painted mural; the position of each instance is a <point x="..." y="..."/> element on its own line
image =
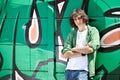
<point x="32" y="34"/>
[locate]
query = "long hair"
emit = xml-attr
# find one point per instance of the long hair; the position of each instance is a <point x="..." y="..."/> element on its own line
<point x="78" y="12"/>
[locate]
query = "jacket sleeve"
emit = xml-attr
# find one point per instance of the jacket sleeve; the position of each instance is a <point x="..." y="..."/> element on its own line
<point x="95" y="38"/>
<point x="68" y="43"/>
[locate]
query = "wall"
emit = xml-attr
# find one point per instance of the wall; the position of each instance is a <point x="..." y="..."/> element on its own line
<point x="32" y="34"/>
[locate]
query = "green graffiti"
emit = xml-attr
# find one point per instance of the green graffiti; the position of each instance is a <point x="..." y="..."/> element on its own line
<point x="32" y="34"/>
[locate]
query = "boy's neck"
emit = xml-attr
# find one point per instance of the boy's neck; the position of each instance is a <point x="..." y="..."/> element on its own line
<point x="82" y="27"/>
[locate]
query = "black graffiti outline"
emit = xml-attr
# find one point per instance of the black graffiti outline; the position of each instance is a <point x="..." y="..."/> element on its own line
<point x="34" y="7"/>
<point x="112" y="48"/>
<point x="1" y="61"/>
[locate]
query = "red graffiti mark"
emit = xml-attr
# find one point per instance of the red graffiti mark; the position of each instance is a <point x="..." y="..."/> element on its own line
<point x="18" y="78"/>
<point x="111" y="38"/>
<point x="34" y="32"/>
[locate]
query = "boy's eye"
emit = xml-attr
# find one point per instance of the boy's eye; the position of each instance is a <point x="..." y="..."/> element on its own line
<point x="78" y="18"/>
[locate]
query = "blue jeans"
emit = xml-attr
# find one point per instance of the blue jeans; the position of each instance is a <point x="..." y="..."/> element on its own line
<point x="76" y="75"/>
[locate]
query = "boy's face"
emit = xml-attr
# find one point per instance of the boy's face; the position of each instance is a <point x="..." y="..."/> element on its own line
<point x="78" y="20"/>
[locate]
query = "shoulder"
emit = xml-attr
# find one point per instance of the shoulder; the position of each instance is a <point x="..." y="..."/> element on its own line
<point x="92" y="28"/>
<point x="73" y="31"/>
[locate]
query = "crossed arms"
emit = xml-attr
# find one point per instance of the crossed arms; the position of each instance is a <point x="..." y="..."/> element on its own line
<point x="77" y="51"/>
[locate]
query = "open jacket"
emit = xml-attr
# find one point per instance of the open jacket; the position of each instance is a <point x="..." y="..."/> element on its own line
<point x="93" y="36"/>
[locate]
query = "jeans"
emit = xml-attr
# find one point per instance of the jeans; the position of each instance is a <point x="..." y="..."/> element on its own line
<point x="76" y="75"/>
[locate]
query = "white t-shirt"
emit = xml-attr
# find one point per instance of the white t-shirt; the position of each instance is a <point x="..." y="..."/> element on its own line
<point x="79" y="63"/>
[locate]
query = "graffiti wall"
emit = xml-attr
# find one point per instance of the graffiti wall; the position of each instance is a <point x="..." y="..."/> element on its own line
<point x="32" y="34"/>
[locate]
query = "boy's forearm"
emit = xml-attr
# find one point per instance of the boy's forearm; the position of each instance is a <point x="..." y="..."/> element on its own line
<point x="83" y="50"/>
<point x="71" y="54"/>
